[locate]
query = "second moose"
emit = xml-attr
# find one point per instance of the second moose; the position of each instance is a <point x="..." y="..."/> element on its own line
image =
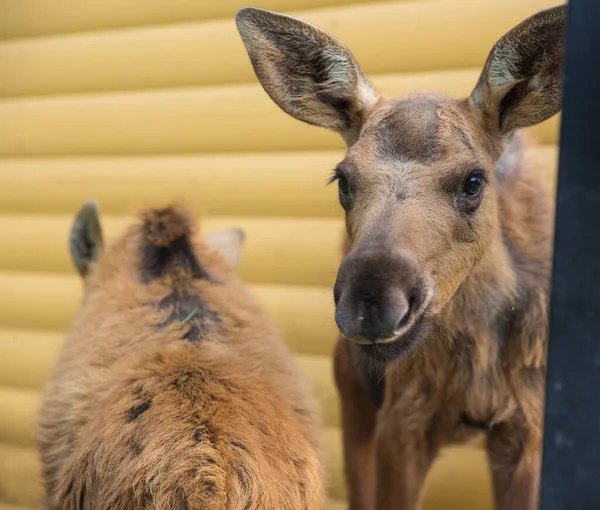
<point x="173" y="390"/>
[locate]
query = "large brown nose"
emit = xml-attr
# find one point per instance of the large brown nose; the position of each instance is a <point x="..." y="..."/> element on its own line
<point x="377" y="293"/>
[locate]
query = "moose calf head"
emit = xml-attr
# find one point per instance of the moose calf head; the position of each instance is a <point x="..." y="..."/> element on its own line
<point x="417" y="183"/>
<point x="161" y="243"/>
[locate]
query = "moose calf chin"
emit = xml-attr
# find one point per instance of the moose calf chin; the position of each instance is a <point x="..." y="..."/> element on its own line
<point x="442" y="295"/>
<point x="173" y="390"/>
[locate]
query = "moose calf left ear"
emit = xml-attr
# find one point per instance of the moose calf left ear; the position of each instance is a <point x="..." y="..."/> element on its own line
<point x="307" y="72"/>
<point x="521" y="83"/>
<point x="85" y="241"/>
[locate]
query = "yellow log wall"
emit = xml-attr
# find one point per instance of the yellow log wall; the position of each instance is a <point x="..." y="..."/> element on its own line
<point x="211" y="52"/>
<point x="143" y="102"/>
<point x="210" y="119"/>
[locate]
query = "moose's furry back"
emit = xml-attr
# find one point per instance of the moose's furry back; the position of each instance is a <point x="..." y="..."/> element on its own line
<point x="173" y="390"/>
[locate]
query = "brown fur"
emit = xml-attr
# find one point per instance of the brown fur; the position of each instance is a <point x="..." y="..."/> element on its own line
<point x="148" y="410"/>
<point x="442" y="297"/>
<point x="480" y="369"/>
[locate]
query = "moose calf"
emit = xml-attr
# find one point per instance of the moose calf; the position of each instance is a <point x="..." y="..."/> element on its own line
<point x="442" y="298"/>
<point x="173" y="390"/>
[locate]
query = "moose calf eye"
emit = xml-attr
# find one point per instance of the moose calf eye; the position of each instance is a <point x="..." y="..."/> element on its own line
<point x="343" y="186"/>
<point x="473" y="185"/>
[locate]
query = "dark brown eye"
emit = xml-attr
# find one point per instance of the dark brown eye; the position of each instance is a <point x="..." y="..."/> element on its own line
<point x="343" y="186"/>
<point x="473" y="185"/>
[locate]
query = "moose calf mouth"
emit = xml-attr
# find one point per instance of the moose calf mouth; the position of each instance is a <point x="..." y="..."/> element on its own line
<point x="394" y="348"/>
<point x="404" y="340"/>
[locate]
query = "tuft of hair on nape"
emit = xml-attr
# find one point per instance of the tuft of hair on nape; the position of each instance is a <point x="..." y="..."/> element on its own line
<point x="167" y="246"/>
<point x="162" y="227"/>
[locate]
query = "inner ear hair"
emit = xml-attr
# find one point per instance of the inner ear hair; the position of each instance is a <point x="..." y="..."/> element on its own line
<point x="306" y="71"/>
<point x="521" y="82"/>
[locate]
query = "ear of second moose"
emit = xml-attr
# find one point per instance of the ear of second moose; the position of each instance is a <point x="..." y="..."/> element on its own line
<point x="86" y="240"/>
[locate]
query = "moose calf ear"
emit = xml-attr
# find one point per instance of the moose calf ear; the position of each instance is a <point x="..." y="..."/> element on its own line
<point x="307" y="72"/>
<point x="521" y="83"/>
<point x="229" y="243"/>
<point x="85" y="241"/>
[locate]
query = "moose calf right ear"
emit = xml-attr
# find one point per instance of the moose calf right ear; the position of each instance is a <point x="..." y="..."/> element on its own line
<point x="85" y="241"/>
<point x="307" y="72"/>
<point x="521" y="83"/>
<point x="229" y="243"/>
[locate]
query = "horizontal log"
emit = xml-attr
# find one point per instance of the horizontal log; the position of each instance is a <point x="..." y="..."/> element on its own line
<point x="229" y="119"/>
<point x="19" y="476"/>
<point x="304" y="315"/>
<point x="391" y="37"/>
<point x="277" y="250"/>
<point x="27" y="357"/>
<point x="251" y="184"/>
<point x="27" y="18"/>
<point x="6" y="506"/>
<point x="18" y="408"/>
<point x="263" y="184"/>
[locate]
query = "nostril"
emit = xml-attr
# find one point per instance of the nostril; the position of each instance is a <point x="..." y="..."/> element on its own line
<point x="403" y="313"/>
<point x="417" y="298"/>
<point x="415" y="302"/>
<point x="402" y="322"/>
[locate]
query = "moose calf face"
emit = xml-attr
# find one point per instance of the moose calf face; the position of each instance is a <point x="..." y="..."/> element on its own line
<point x="420" y="211"/>
<point x="417" y="183"/>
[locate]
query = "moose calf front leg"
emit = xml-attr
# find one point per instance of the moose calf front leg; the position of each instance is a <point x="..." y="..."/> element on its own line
<point x="403" y="461"/>
<point x="515" y="462"/>
<point x="358" y="424"/>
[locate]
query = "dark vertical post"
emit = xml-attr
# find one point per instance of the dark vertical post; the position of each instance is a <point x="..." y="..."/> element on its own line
<point x="571" y="460"/>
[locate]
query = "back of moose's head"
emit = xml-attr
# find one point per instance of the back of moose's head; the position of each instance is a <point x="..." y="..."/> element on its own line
<point x="160" y="245"/>
<point x="417" y="182"/>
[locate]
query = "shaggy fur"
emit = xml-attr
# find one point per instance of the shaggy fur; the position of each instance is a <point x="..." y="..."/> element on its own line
<point x="442" y="296"/>
<point x="173" y="390"/>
